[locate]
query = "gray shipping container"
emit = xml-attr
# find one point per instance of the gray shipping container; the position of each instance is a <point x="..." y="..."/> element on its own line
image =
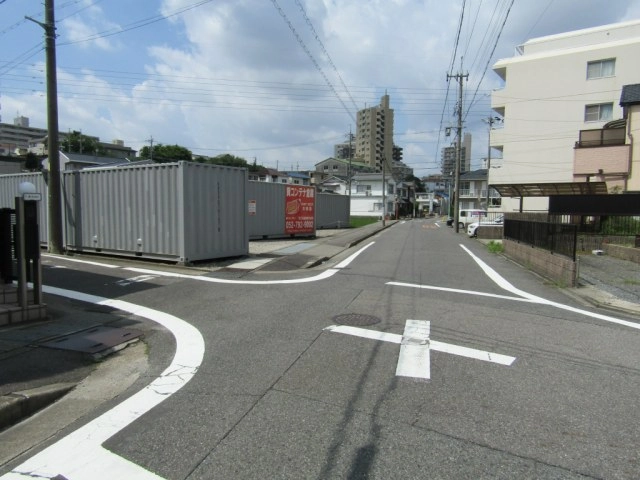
<point x="181" y="211"/>
<point x="332" y="211"/>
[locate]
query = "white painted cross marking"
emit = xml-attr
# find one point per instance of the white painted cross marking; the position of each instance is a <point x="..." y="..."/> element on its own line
<point x="415" y="346"/>
<point x="413" y="360"/>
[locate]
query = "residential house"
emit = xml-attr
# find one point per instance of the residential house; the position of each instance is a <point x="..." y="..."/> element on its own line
<point x="610" y="154"/>
<point x="473" y="192"/>
<point x="297" y="178"/>
<point x="554" y="88"/>
<point x="368" y="196"/>
<point x="334" y="184"/>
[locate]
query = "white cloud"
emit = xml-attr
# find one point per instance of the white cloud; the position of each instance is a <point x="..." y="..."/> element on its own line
<point x="230" y="75"/>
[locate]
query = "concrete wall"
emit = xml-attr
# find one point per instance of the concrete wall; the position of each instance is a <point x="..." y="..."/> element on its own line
<point x="625" y="253"/>
<point x="557" y="268"/>
<point x="485" y="232"/>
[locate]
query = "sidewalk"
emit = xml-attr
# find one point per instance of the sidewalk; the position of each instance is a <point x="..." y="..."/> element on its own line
<point x="34" y="373"/>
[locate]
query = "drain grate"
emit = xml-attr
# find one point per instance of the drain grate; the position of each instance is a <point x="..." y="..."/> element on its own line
<point x="356" y="319"/>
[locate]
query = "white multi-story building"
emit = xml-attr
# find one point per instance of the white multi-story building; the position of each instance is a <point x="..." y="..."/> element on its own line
<point x="554" y="88"/>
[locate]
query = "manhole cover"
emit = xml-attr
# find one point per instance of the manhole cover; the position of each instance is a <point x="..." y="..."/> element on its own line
<point x="356" y="319"/>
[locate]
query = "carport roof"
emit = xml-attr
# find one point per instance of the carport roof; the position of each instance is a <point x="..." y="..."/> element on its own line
<point x="549" y="189"/>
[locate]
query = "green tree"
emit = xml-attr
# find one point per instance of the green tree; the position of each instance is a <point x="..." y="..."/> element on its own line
<point x="229" y="160"/>
<point x="166" y="153"/>
<point x="76" y="142"/>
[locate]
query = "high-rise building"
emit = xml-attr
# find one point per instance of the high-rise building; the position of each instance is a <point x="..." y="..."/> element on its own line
<point x="374" y="135"/>
<point x="450" y="155"/>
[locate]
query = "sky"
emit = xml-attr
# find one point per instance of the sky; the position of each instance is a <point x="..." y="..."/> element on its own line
<point x="275" y="81"/>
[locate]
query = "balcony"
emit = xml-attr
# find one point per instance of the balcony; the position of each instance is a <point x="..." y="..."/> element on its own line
<point x="609" y="160"/>
<point x="602" y="137"/>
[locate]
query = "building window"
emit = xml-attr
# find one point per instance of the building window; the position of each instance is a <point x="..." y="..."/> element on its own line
<point x="335" y="167"/>
<point x="363" y="188"/>
<point x="325" y="168"/>
<point x="601" y="68"/>
<point x="602" y="112"/>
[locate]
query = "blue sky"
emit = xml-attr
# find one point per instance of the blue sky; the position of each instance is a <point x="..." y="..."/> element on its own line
<point x="275" y="80"/>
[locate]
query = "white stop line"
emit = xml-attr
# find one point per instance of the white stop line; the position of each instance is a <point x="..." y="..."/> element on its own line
<point x="415" y="347"/>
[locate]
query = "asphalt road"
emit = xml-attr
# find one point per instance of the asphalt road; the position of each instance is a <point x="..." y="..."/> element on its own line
<point x="507" y="376"/>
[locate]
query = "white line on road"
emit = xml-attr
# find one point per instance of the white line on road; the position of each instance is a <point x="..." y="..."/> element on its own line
<point x="503" y="283"/>
<point x="413" y="360"/>
<point x="437" y="346"/>
<point x="80" y="454"/>
<point x="457" y="290"/>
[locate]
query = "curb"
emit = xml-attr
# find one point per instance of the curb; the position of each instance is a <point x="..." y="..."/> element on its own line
<point x="17" y="406"/>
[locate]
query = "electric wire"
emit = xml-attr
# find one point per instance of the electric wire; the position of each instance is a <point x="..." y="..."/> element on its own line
<point x="311" y="57"/>
<point x="324" y="50"/>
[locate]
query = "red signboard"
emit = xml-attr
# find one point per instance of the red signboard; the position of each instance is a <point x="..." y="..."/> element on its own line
<point x="299" y="215"/>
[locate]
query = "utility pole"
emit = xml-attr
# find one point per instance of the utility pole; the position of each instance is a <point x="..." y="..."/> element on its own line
<point x="456" y="205"/>
<point x="54" y="192"/>
<point x="150" y="148"/>
<point x="490" y="121"/>
<point x="349" y="173"/>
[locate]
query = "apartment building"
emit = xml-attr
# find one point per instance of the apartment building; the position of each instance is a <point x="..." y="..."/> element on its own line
<point x="450" y="156"/>
<point x="554" y="88"/>
<point x="374" y="135"/>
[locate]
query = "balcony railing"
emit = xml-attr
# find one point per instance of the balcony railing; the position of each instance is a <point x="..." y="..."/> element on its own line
<point x="601" y="137"/>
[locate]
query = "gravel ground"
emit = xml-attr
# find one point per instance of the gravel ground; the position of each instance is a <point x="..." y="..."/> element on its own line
<point x="620" y="278"/>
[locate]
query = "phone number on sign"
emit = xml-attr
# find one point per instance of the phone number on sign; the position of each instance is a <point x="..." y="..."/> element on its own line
<point x="299" y="224"/>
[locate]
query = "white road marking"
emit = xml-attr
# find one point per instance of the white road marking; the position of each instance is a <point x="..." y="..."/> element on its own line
<point x="457" y="290"/>
<point x="413" y="360"/>
<point x="76" y="260"/>
<point x="138" y="279"/>
<point x="503" y="283"/>
<point x="433" y="345"/>
<point x="80" y="454"/>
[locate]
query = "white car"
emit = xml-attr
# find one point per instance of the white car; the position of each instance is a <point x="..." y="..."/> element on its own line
<point x="472" y="229"/>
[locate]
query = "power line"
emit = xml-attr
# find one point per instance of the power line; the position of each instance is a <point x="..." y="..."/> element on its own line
<point x="313" y="30"/>
<point x="491" y="55"/>
<point x="311" y="57"/>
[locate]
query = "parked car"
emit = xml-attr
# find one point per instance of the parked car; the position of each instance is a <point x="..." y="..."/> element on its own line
<point x="472" y="229"/>
<point x="469" y="216"/>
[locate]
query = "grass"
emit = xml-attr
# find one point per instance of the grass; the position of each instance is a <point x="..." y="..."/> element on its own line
<point x="495" y="247"/>
<point x="362" y="221"/>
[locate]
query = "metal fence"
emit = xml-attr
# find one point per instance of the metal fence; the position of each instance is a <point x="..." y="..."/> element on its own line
<point x="555" y="237"/>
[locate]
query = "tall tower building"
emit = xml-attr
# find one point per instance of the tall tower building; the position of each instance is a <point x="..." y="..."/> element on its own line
<point x="374" y="135"/>
<point x="449" y="156"/>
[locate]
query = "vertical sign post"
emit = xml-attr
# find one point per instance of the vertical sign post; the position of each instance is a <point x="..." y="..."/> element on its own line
<point x="299" y="215"/>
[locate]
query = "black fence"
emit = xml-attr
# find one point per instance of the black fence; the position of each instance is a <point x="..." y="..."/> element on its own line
<point x="555" y="237"/>
<point x="7" y="245"/>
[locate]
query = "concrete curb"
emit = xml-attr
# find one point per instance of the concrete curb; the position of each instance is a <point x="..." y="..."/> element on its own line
<point x="17" y="406"/>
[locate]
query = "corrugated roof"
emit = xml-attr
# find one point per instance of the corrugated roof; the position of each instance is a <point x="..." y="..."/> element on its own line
<point x="548" y="189"/>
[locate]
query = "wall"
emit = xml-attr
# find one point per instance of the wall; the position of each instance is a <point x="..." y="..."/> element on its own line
<point x="559" y="269"/>
<point x="625" y="253"/>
